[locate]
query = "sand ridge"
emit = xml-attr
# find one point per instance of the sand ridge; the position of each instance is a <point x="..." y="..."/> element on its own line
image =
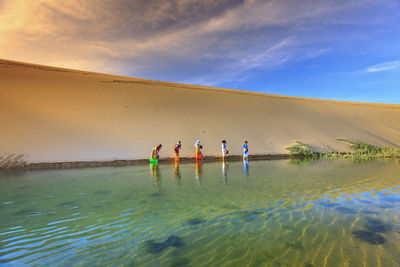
<point x="54" y="114"/>
<point x="249" y="93"/>
<point x="126" y="79"/>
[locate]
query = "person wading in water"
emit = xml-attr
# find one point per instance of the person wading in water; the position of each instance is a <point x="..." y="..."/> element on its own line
<point x="176" y="148"/>
<point x="155" y="154"/>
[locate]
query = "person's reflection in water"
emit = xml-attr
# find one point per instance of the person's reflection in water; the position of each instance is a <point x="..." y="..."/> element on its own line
<point x="197" y="176"/>
<point x="224" y="172"/>
<point x="177" y="174"/>
<point x="155" y="174"/>
<point x="246" y="168"/>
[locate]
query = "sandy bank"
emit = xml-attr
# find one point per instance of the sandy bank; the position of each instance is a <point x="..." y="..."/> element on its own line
<point x="60" y="115"/>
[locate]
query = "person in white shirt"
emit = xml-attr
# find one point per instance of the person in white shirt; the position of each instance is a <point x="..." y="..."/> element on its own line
<point x="224" y="150"/>
<point x="198" y="147"/>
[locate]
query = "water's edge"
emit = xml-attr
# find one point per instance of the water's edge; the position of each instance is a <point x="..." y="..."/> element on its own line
<point x="127" y="162"/>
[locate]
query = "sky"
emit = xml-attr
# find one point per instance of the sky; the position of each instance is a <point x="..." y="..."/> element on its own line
<point x="330" y="49"/>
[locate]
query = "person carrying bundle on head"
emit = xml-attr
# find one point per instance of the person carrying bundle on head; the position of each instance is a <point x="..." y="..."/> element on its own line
<point x="198" y="147"/>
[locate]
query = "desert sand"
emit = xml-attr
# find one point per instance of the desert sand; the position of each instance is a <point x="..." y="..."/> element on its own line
<point x="53" y="114"/>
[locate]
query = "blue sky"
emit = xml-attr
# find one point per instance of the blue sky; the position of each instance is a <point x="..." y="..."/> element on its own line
<point x="344" y="50"/>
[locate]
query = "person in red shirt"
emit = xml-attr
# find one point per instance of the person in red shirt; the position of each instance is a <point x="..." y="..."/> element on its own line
<point x="176" y="148"/>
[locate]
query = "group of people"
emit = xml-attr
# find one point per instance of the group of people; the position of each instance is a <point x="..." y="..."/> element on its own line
<point x="199" y="155"/>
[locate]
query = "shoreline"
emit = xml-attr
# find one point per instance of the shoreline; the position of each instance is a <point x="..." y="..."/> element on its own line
<point x="126" y="162"/>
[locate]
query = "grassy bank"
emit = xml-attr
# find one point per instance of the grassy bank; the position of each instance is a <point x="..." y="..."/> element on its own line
<point x="360" y="151"/>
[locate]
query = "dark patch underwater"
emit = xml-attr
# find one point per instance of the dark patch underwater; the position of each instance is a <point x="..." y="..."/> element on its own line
<point x="158" y="247"/>
<point x="369" y="237"/>
<point x="196" y="221"/>
<point x="156" y="194"/>
<point x="23" y="212"/>
<point x="376" y="226"/>
<point x="250" y="215"/>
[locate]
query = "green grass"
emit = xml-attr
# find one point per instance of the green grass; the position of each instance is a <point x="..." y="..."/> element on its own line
<point x="360" y="151"/>
<point x="302" y="150"/>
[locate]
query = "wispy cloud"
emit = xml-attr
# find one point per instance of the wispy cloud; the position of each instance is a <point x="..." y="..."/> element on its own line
<point x="385" y="66"/>
<point x="210" y="41"/>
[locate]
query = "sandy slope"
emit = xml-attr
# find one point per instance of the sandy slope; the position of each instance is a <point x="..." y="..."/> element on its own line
<point x="55" y="114"/>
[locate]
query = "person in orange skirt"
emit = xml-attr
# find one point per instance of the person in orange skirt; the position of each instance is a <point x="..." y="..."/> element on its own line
<point x="176" y="148"/>
<point x="198" y="147"/>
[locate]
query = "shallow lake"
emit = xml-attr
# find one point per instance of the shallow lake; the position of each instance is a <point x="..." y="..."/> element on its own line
<point x="265" y="213"/>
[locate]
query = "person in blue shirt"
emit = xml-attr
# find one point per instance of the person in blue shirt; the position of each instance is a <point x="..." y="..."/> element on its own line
<point x="245" y="151"/>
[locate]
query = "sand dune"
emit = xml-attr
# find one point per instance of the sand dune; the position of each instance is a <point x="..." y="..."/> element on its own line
<point x="53" y="114"/>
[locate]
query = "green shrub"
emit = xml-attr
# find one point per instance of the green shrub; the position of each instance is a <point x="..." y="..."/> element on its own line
<point x="302" y="149"/>
<point x="360" y="151"/>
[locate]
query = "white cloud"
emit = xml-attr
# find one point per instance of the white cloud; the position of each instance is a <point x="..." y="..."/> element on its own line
<point x="385" y="66"/>
<point x="222" y="39"/>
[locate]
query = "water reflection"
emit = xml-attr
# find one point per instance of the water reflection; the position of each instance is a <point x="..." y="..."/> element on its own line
<point x="199" y="171"/>
<point x="12" y="173"/>
<point x="177" y="174"/>
<point x="225" y="167"/>
<point x="246" y="168"/>
<point x="155" y="174"/>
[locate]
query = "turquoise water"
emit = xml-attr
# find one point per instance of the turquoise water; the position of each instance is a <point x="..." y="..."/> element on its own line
<point x="267" y="213"/>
